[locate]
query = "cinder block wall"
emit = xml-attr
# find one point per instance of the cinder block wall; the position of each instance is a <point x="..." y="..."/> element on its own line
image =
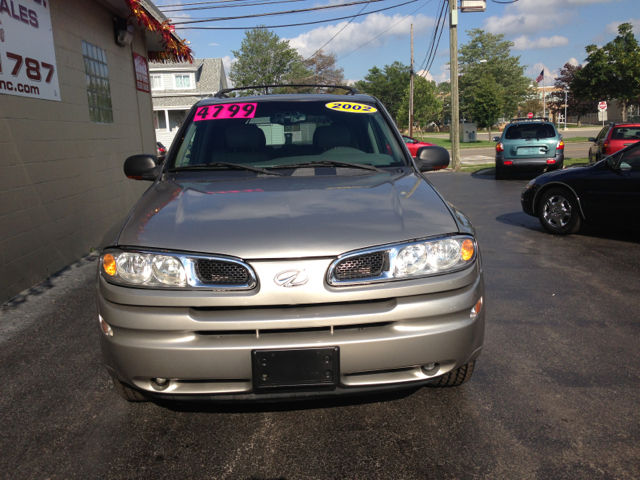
<point x="61" y="180"/>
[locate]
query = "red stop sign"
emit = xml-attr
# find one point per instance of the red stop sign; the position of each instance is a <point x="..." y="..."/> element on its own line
<point x="530" y="115"/>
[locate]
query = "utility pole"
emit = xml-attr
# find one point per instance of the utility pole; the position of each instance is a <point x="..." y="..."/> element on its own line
<point x="455" y="106"/>
<point x="411" y="89"/>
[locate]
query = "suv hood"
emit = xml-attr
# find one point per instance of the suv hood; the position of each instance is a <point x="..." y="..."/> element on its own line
<point x="282" y="217"/>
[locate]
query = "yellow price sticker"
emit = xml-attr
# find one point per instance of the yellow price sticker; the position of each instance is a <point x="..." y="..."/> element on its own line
<point x="351" y="107"/>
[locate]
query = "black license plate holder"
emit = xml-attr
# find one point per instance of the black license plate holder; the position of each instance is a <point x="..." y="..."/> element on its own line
<point x="295" y="368"/>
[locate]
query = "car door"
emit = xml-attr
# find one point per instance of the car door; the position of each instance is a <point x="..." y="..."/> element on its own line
<point x="595" y="149"/>
<point x="612" y="190"/>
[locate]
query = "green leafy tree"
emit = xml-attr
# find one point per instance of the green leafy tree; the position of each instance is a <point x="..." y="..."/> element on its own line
<point x="388" y="85"/>
<point x="444" y="95"/>
<point x="612" y="72"/>
<point x="426" y="104"/>
<point x="484" y="99"/>
<point x="265" y="59"/>
<point x="505" y="68"/>
<point x="532" y="105"/>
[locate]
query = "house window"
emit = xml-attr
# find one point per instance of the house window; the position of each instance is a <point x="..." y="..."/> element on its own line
<point x="182" y="81"/>
<point x="156" y="82"/>
<point x="160" y="120"/>
<point x="97" y="79"/>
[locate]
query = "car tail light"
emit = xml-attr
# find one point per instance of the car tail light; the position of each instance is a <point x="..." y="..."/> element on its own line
<point x="500" y="147"/>
<point x="551" y="161"/>
<point x="508" y="162"/>
<point x="605" y="147"/>
<point x="560" y="146"/>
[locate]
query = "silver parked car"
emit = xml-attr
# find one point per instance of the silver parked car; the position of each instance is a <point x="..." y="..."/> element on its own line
<point x="289" y="247"/>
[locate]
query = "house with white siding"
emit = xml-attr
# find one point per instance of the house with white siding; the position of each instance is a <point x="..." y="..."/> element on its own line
<point x="176" y="86"/>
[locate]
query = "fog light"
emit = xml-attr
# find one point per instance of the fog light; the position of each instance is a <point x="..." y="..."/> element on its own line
<point x="507" y="162"/>
<point x="429" y="367"/>
<point x="106" y="329"/>
<point x="551" y="161"/>
<point x="475" y="311"/>
<point x="161" y="381"/>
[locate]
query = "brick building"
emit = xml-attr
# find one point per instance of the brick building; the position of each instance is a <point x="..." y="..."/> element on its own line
<point x="72" y="108"/>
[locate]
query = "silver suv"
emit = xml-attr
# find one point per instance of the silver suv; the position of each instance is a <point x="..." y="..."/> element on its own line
<point x="289" y="247"/>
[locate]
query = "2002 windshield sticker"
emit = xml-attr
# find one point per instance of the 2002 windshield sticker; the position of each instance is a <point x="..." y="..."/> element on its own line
<point x="351" y="107"/>
<point x="226" y="110"/>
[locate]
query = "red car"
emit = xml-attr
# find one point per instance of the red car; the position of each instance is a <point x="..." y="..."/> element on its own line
<point x="413" y="145"/>
<point x="612" y="138"/>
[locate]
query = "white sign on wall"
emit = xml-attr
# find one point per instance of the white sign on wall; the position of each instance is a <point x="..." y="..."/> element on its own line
<point x="27" y="56"/>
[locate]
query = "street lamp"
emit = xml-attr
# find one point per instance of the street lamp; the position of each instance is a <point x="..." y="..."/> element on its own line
<point x="566" y="92"/>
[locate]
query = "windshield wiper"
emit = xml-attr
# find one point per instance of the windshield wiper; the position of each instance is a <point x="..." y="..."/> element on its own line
<point x="205" y="166"/>
<point x="331" y="163"/>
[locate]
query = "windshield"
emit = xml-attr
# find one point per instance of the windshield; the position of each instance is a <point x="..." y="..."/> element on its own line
<point x="530" y="130"/>
<point x="273" y="133"/>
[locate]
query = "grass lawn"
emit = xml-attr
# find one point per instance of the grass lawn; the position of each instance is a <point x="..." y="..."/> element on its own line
<point x="567" y="162"/>
<point x="446" y="143"/>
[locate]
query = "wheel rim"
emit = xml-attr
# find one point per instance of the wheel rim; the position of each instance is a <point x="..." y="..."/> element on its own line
<point x="557" y="211"/>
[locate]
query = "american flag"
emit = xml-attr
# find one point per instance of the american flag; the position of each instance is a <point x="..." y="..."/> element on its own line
<point x="540" y="77"/>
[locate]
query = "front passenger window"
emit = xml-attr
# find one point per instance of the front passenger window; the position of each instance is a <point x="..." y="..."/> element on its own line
<point x="632" y="157"/>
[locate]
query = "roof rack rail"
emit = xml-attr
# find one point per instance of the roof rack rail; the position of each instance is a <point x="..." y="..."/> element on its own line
<point x="527" y="119"/>
<point x="223" y="93"/>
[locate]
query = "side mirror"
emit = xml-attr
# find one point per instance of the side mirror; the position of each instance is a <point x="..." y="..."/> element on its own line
<point x="496" y="139"/>
<point x="432" y="158"/>
<point x="141" y="167"/>
<point x="591" y="139"/>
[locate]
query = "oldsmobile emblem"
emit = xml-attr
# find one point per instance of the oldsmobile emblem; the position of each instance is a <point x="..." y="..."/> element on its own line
<point x="291" y="278"/>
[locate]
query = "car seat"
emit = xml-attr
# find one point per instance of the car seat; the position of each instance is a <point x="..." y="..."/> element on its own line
<point x="246" y="144"/>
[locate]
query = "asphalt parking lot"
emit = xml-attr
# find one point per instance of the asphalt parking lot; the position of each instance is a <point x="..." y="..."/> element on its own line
<point x="556" y="392"/>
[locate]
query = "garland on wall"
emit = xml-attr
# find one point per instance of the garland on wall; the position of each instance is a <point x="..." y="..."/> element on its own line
<point x="175" y="50"/>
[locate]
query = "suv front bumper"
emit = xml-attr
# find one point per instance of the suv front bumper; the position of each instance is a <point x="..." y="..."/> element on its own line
<point x="207" y="353"/>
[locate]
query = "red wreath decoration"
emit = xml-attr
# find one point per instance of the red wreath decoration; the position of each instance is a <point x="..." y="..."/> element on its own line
<point x="175" y="50"/>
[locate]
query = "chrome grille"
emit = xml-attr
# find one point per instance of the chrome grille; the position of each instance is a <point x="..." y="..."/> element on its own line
<point x="363" y="266"/>
<point x="216" y="272"/>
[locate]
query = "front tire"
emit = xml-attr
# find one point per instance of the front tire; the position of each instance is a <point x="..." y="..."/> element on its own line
<point x="558" y="212"/>
<point x="456" y="377"/>
<point x="128" y="393"/>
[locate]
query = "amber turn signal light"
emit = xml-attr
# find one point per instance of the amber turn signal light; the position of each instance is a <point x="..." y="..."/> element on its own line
<point x="467" y="250"/>
<point x="109" y="264"/>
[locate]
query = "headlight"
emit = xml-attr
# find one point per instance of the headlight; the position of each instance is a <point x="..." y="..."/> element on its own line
<point x="433" y="257"/>
<point x="401" y="261"/>
<point x="146" y="269"/>
<point x="175" y="270"/>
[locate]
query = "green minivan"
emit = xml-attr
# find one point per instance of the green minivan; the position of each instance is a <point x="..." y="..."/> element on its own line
<point x="528" y="145"/>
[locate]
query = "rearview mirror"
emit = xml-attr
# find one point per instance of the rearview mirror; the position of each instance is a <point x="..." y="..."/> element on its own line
<point x="432" y="158"/>
<point x="141" y="167"/>
<point x="496" y="139"/>
<point x="591" y="139"/>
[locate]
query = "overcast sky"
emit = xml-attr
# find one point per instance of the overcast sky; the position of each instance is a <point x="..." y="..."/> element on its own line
<point x="546" y="33"/>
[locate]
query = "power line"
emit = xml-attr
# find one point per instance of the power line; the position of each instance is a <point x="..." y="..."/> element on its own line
<point x="303" y="10"/>
<point x="239" y="5"/>
<point x="385" y="31"/>
<point x="199" y="3"/>
<point x="439" y="24"/>
<point x="349" y="23"/>
<point x="436" y="26"/>
<point x="300" y="24"/>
